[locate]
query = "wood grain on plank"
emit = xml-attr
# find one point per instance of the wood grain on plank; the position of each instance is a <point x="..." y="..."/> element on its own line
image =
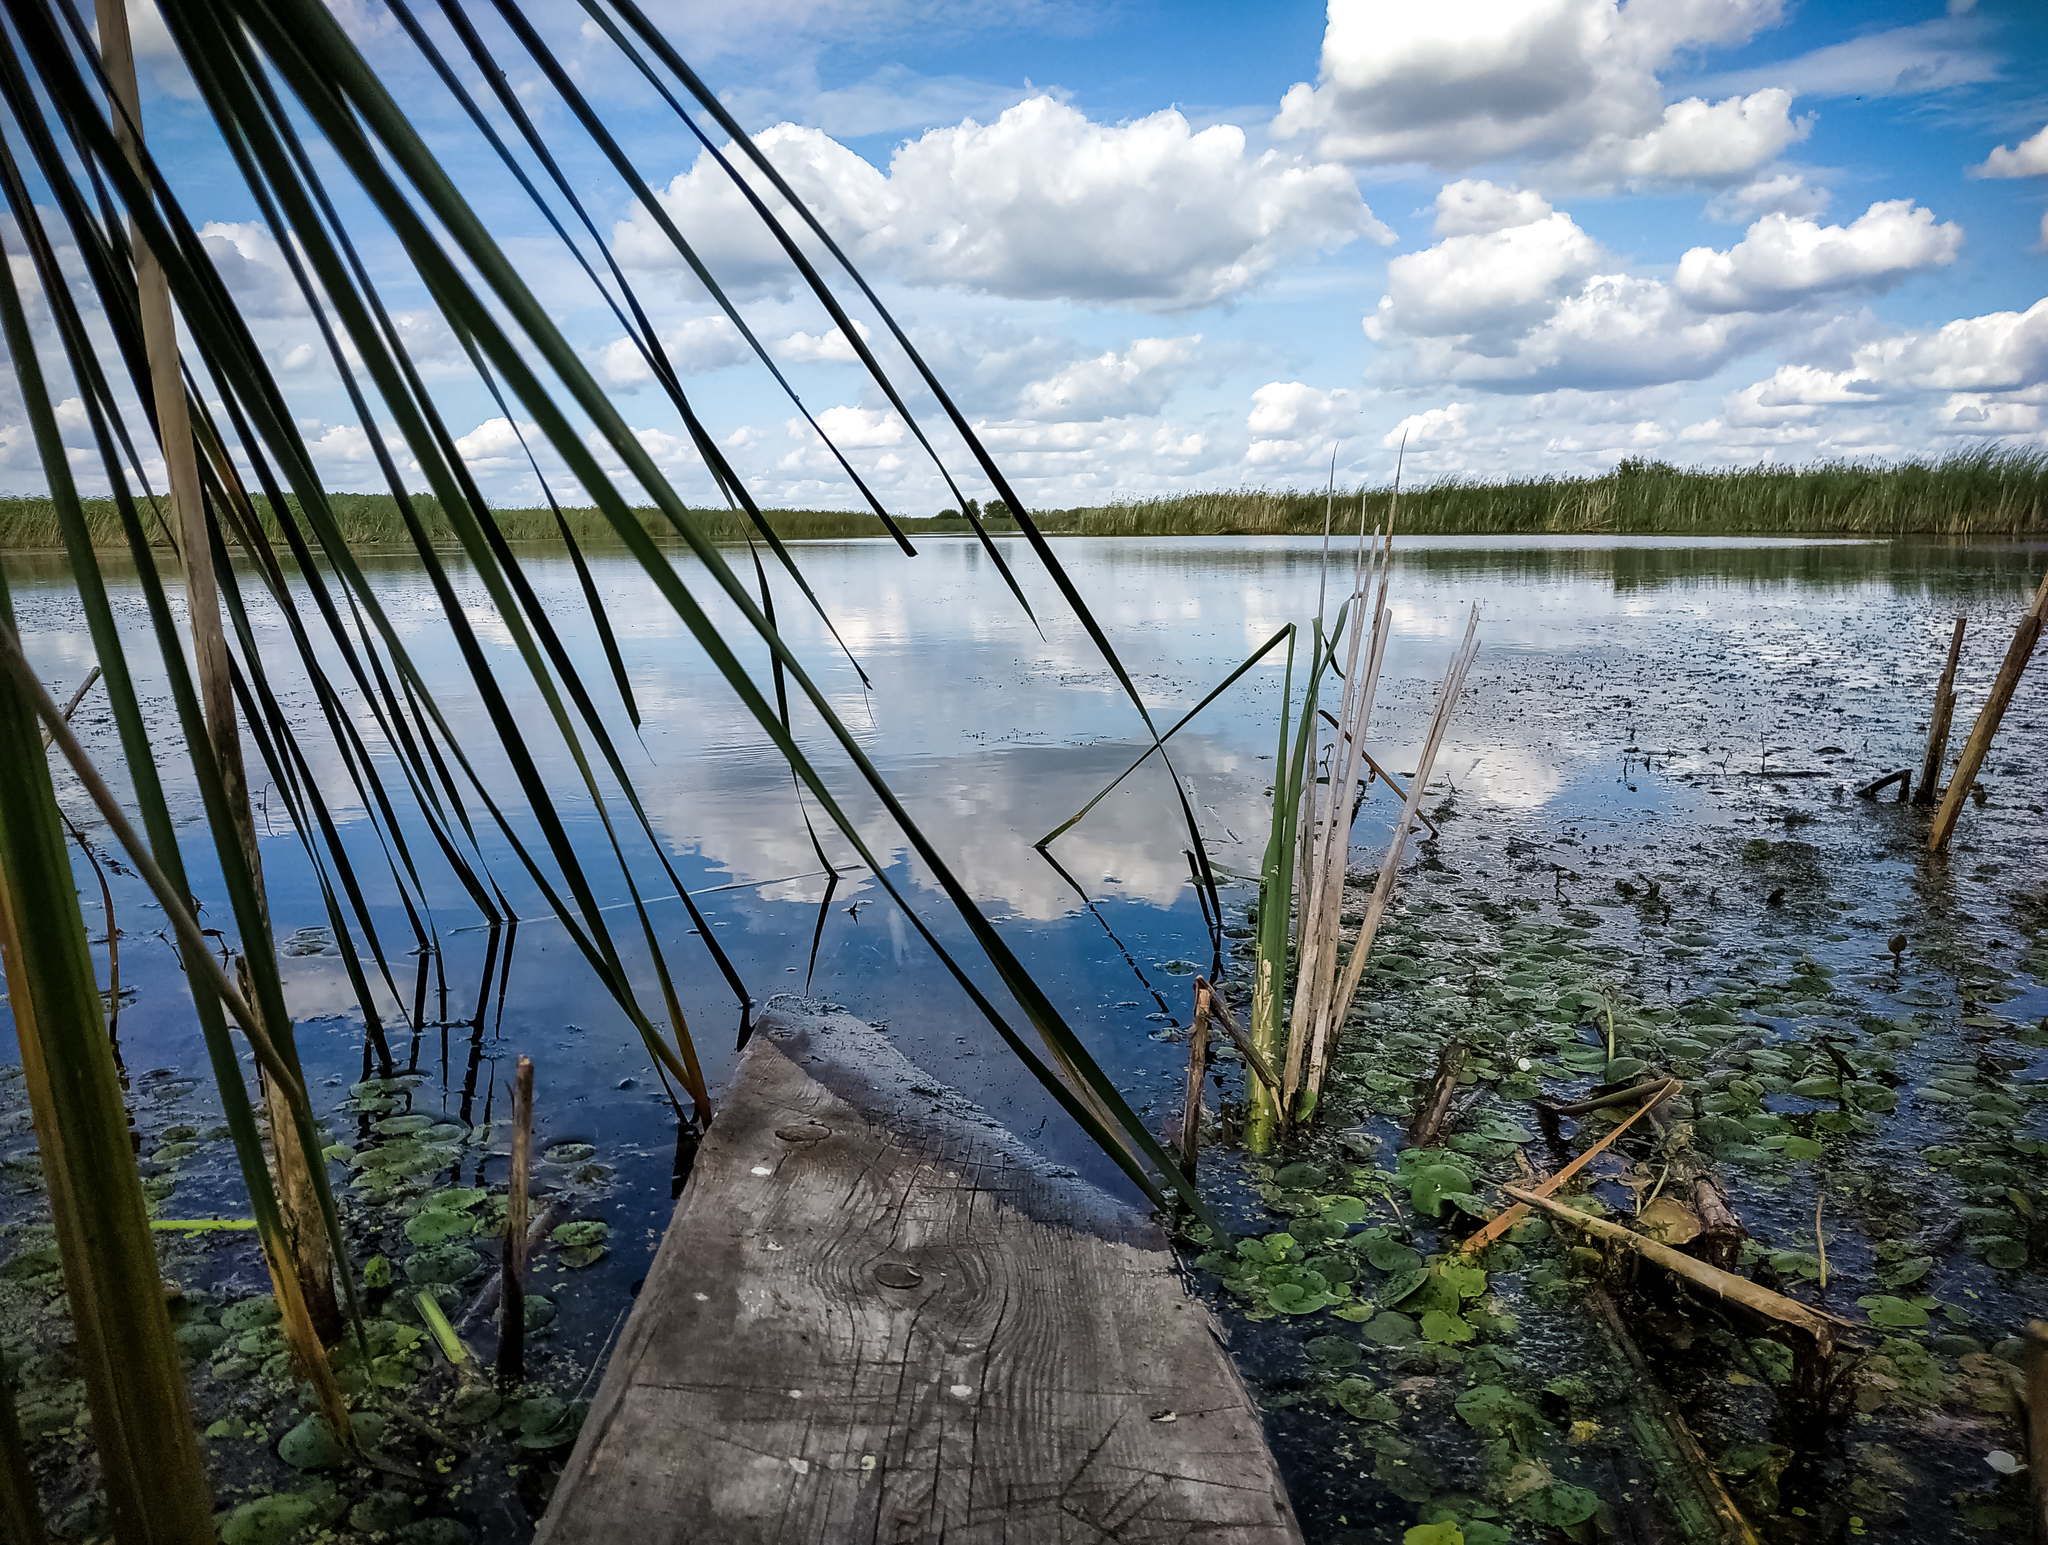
<point x="876" y="1316"/>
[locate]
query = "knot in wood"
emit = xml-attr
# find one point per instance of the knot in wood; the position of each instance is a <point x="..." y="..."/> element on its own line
<point x="898" y="1274"/>
<point x="803" y="1133"/>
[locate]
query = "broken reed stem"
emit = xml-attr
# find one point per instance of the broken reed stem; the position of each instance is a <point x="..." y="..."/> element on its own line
<point x="1219" y="1008"/>
<point x="1500" y="1224"/>
<point x="1198" y="1067"/>
<point x="1938" y="726"/>
<point x="512" y="1296"/>
<point x="1339" y="1007"/>
<point x="77" y="697"/>
<point x="2037" y="1424"/>
<point x="1722" y="1284"/>
<point x="1429" y="1117"/>
<point x="1978" y="746"/>
<point x="1820" y="1243"/>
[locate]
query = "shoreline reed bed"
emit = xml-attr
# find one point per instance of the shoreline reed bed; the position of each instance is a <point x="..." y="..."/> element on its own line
<point x="1994" y="491"/>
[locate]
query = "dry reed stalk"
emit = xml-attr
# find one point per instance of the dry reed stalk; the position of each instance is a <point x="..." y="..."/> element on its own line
<point x="77" y="697"/>
<point x="2037" y="1424"/>
<point x="1978" y="746"/>
<point x="1198" y="1067"/>
<point x="1501" y="1222"/>
<point x="1328" y="852"/>
<point x="1817" y="1324"/>
<point x="298" y="1195"/>
<point x="1937" y="728"/>
<point x="1390" y="867"/>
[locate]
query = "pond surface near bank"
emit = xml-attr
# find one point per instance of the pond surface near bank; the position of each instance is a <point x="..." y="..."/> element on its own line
<point x="1625" y="690"/>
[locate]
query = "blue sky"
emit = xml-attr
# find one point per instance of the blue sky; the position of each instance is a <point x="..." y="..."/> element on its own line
<point x="1156" y="248"/>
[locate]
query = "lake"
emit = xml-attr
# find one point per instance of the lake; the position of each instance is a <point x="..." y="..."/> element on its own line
<point x="1641" y="699"/>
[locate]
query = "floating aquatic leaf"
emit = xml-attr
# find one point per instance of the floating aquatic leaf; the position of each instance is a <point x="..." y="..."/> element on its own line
<point x="1445" y="1328"/>
<point x="1434" y="1534"/>
<point x="443" y="1263"/>
<point x="1906" y="1272"/>
<point x="435" y="1226"/>
<point x="250" y="1313"/>
<point x="1560" y="1504"/>
<point x="1333" y="1351"/>
<point x="1428" y="1188"/>
<point x="1800" y="1148"/>
<point x="2005" y="1254"/>
<point x="582" y="1233"/>
<point x="1893" y="1313"/>
<point x="1391" y="1255"/>
<point x="312" y="1446"/>
<point x="1405" y="1284"/>
<point x="1391" y="1329"/>
<point x="1343" y="1209"/>
<point x="570" y="1153"/>
<point x="282" y="1516"/>
<point x="377" y="1272"/>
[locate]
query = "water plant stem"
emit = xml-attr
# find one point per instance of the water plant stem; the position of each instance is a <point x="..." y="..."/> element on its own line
<point x="1937" y="727"/>
<point x="1498" y="1225"/>
<point x="512" y="1296"/>
<point x="298" y="1195"/>
<point x="1978" y="746"/>
<point x="1198" y="1066"/>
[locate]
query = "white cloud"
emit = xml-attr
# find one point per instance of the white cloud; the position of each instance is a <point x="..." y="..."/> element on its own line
<point x="1475" y="205"/>
<point x="854" y="428"/>
<point x="1042" y="203"/>
<point x="830" y="347"/>
<point x="495" y="439"/>
<point x="1699" y="141"/>
<point x="1294" y="424"/>
<point x="700" y="345"/>
<point x="2028" y="159"/>
<point x="1783" y="261"/>
<point x="1445" y="423"/>
<point x="1138" y="380"/>
<point x="2003" y="351"/>
<point x="1461" y="83"/>
<point x="1786" y="193"/>
<point x="1904" y="61"/>
<point x="252" y="266"/>
<point x="1485" y="282"/>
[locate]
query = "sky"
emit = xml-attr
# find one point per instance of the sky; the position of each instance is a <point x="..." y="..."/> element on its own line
<point x="1158" y="248"/>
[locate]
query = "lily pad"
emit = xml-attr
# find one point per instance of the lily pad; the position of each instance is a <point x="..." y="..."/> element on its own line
<point x="1430" y="1186"/>
<point x="443" y="1263"/>
<point x="1445" y="1329"/>
<point x="436" y="1226"/>
<point x="1391" y="1329"/>
<point x="1906" y="1272"/>
<point x="1364" y="1403"/>
<point x="1560" y="1504"/>
<point x="1391" y="1255"/>
<point x="1334" y="1351"/>
<point x="576" y="1235"/>
<point x="281" y="1517"/>
<point x="1893" y="1313"/>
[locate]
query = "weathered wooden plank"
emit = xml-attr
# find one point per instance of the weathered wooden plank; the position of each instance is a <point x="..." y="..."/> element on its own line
<point x="876" y="1316"/>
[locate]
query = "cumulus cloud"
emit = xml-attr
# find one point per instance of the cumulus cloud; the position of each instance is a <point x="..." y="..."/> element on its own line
<point x="1475" y="205"/>
<point x="700" y="345"/>
<point x="1541" y="304"/>
<point x="2002" y="351"/>
<point x="1784" y="260"/>
<point x="252" y="266"/>
<point x="1486" y="281"/>
<point x="1041" y="204"/>
<point x="1137" y="380"/>
<point x="831" y="347"/>
<point x="1445" y="423"/>
<point x="1293" y="423"/>
<point x="1699" y="141"/>
<point x="2027" y="159"/>
<point x="1786" y="193"/>
<point x="1458" y="84"/>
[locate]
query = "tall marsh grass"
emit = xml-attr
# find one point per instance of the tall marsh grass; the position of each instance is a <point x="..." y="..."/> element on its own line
<point x="1997" y="491"/>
